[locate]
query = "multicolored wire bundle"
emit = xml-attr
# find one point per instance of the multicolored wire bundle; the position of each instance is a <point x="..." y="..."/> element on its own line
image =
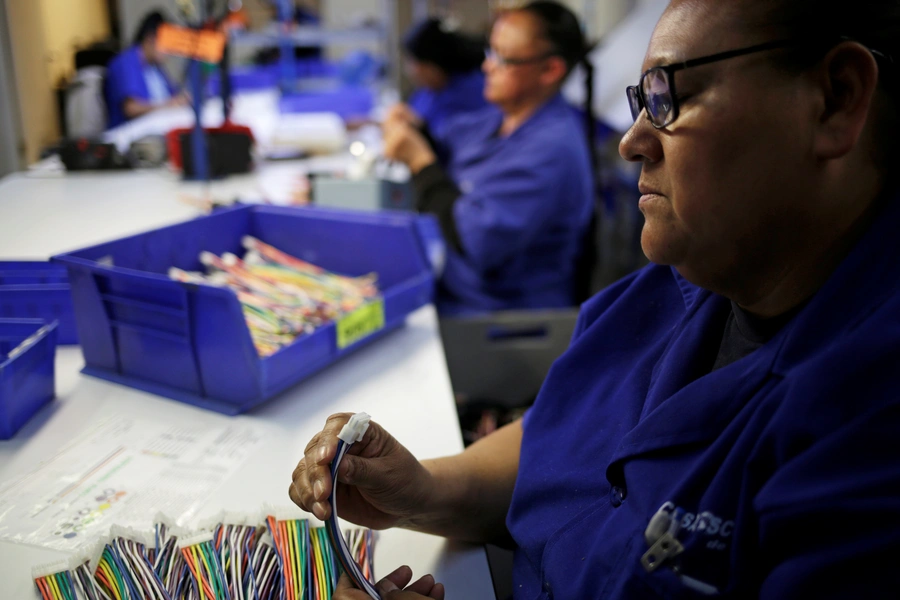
<point x="66" y="580"/>
<point x="124" y="571"/>
<point x="347" y="554"/>
<point x="285" y="559"/>
<point x="282" y="297"/>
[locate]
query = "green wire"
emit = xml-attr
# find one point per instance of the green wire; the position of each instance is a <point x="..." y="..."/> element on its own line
<point x="63" y="584"/>
<point x="120" y="580"/>
<point x="213" y="574"/>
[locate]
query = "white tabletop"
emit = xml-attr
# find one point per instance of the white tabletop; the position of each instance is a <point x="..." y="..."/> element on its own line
<point x="401" y="381"/>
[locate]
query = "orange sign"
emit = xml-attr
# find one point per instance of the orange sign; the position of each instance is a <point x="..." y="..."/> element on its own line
<point x="204" y="45"/>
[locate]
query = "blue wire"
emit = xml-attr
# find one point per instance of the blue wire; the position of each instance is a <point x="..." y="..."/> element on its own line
<point x="250" y="573"/>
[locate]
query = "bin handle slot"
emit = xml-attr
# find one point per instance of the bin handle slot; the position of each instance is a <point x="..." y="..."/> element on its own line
<point x="501" y="334"/>
<point x="165" y="335"/>
<point x="166" y="310"/>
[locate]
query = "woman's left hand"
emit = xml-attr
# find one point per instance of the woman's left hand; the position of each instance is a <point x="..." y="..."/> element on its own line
<point x="393" y="587"/>
<point x="405" y="144"/>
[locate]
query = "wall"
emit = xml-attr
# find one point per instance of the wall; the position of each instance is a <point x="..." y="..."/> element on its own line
<point x="10" y="132"/>
<point x="43" y="37"/>
<point x="68" y="26"/>
<point x="39" y="119"/>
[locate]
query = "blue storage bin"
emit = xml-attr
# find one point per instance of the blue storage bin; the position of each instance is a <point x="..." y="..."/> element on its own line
<point x="38" y="290"/>
<point x="27" y="377"/>
<point x="245" y="79"/>
<point x="348" y="102"/>
<point x="190" y="342"/>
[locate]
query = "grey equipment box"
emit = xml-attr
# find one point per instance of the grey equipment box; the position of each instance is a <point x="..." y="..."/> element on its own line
<point x="503" y="357"/>
<point x="369" y="194"/>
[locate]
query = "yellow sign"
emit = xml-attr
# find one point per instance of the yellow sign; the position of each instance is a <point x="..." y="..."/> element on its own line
<point x="204" y="45"/>
<point x="360" y="323"/>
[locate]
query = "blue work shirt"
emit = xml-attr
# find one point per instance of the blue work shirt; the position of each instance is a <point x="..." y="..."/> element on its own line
<point x="526" y="202"/>
<point x="126" y="78"/>
<point x="783" y="468"/>
<point x="463" y="94"/>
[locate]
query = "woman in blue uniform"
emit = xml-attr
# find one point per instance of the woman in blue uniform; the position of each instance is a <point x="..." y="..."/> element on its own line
<point x="725" y="421"/>
<point x="136" y="82"/>
<point x="514" y="191"/>
<point x="445" y="67"/>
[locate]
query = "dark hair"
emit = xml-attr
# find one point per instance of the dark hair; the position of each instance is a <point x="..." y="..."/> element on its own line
<point x="434" y="41"/>
<point x="561" y="28"/>
<point x="873" y="23"/>
<point x="148" y="26"/>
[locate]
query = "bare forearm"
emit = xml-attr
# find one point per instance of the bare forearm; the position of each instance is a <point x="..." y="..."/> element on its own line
<point x="472" y="491"/>
<point x="135" y="108"/>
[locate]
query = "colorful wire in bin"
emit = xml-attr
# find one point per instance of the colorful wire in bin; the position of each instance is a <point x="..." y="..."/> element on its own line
<point x="282" y="296"/>
<point x="284" y="559"/>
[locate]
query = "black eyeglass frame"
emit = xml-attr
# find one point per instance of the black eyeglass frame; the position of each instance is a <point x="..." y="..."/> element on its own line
<point x="635" y="93"/>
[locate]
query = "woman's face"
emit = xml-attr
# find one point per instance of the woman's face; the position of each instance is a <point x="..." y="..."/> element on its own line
<point x="725" y="185"/>
<point x="515" y="37"/>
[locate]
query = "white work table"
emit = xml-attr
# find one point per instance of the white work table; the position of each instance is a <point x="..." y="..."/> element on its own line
<point x="401" y="381"/>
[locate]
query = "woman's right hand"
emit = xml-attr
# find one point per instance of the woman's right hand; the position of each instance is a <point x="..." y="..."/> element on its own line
<point x="402" y="113"/>
<point x="382" y="485"/>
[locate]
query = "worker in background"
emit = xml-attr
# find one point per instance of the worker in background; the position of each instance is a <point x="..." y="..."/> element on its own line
<point x="515" y="195"/>
<point x="136" y="82"/>
<point x="445" y="67"/>
<point x="725" y="421"/>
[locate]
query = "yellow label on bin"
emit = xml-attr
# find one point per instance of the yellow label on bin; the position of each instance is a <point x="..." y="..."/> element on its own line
<point x="360" y="323"/>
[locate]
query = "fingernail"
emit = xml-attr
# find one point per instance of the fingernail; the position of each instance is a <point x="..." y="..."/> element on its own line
<point x="319" y="510"/>
<point x="319" y="489"/>
<point x="322" y="451"/>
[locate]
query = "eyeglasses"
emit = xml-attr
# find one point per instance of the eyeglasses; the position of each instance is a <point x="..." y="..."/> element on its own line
<point x="501" y="61"/>
<point x="656" y="89"/>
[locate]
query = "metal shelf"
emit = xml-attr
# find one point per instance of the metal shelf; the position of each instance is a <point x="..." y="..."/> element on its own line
<point x="306" y="35"/>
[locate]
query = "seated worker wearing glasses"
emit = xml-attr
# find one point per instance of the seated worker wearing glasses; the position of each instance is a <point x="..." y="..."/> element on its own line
<point x="514" y="196"/>
<point x="725" y="421"/>
<point x="445" y="65"/>
<point x="136" y="82"/>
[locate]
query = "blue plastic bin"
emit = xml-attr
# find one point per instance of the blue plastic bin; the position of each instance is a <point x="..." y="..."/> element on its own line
<point x="348" y="102"/>
<point x="245" y="79"/>
<point x="190" y="342"/>
<point x="26" y="378"/>
<point x="38" y="290"/>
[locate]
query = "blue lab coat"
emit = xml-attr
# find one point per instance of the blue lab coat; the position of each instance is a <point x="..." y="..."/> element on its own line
<point x="783" y="467"/>
<point x="464" y="93"/>
<point x="526" y="202"/>
<point x="125" y="79"/>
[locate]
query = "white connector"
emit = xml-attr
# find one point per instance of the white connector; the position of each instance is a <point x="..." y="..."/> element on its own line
<point x="48" y="569"/>
<point x="200" y="538"/>
<point x="355" y="428"/>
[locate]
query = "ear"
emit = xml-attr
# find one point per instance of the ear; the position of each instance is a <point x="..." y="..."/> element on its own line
<point x="849" y="78"/>
<point x="555" y="71"/>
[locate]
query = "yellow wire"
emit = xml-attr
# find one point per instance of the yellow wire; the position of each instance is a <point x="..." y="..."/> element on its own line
<point x="113" y="582"/>
<point x="295" y="552"/>
<point x="54" y="588"/>
<point x="320" y="563"/>
<point x="289" y="546"/>
<point x="197" y="564"/>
